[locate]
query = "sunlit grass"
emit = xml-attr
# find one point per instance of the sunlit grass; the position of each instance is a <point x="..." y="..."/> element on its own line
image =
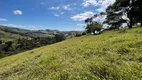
<point x="5" y="36"/>
<point x="113" y="55"/>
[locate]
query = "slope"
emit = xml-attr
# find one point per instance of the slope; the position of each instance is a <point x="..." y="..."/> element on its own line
<point x="16" y="40"/>
<point x="7" y="36"/>
<point x="113" y="55"/>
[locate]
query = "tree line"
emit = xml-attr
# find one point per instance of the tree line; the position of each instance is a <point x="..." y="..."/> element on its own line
<point x="13" y="47"/>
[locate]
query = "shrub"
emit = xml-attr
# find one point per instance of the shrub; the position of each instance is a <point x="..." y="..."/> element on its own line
<point x="84" y="33"/>
<point x="59" y="37"/>
<point x="0" y="42"/>
<point x="9" y="43"/>
<point x="78" y="34"/>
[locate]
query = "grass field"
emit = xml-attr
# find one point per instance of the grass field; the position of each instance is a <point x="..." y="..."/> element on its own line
<point x="113" y="55"/>
<point x="5" y="36"/>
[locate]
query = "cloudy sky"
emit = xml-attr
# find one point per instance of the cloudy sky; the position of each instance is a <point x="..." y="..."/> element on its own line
<point x="50" y="14"/>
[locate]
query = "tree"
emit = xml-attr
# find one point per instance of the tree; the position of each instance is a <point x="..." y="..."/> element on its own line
<point x="78" y="34"/>
<point x="129" y="8"/>
<point x="88" y="20"/>
<point x="114" y="18"/>
<point x="59" y="37"/>
<point x="9" y="43"/>
<point x="137" y="7"/>
<point x="8" y="46"/>
<point x="95" y="26"/>
<point x="83" y="33"/>
<point x="92" y="25"/>
<point x="0" y="42"/>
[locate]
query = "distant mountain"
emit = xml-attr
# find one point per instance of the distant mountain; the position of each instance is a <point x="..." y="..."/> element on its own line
<point x="35" y="33"/>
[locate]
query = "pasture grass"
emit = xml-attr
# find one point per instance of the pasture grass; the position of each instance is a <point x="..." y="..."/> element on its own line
<point x="112" y="55"/>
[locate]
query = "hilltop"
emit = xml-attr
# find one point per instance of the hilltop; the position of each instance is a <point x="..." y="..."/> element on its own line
<point x="112" y="55"/>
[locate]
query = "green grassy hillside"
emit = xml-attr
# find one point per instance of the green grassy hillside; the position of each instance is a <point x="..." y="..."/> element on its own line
<point x="113" y="55"/>
<point x="6" y="36"/>
<point x="16" y="40"/>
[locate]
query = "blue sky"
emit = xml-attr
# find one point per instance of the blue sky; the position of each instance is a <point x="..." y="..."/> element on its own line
<point x="50" y="14"/>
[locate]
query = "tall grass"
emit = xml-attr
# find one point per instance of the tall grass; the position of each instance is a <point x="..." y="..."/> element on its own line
<point x="113" y="55"/>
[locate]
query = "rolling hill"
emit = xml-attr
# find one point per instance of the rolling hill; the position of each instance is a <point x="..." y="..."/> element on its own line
<point x="16" y="40"/>
<point x="4" y="30"/>
<point x="8" y="36"/>
<point x="112" y="55"/>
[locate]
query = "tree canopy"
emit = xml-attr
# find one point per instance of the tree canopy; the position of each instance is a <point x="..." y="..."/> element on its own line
<point x="91" y="25"/>
<point x="124" y="11"/>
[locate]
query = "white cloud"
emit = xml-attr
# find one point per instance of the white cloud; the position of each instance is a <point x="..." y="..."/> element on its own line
<point x="82" y="25"/>
<point x="106" y="3"/>
<point x="2" y="19"/>
<point x="42" y="3"/>
<point x="67" y="7"/>
<point x="56" y="15"/>
<point x="83" y="16"/>
<point x="24" y="27"/>
<point x="13" y="25"/>
<point x="87" y="3"/>
<point x="102" y="4"/>
<point x="17" y="12"/>
<point x="100" y="18"/>
<point x="54" y="8"/>
<point x="101" y="9"/>
<point x="62" y="12"/>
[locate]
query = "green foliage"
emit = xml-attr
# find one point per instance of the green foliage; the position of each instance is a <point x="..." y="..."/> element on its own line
<point x="78" y="34"/>
<point x="15" y="40"/>
<point x="92" y="25"/>
<point x="114" y="17"/>
<point x="59" y="37"/>
<point x="9" y="43"/>
<point x="0" y="42"/>
<point x="130" y="8"/>
<point x="109" y="56"/>
<point x="84" y="33"/>
<point x="13" y="47"/>
<point x="95" y="26"/>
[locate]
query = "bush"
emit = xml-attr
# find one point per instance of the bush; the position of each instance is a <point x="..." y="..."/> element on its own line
<point x="9" y="43"/>
<point x="84" y="33"/>
<point x="59" y="37"/>
<point x="0" y="42"/>
<point x="78" y="35"/>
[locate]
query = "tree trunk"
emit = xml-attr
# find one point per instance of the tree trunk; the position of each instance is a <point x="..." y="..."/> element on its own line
<point x="130" y="25"/>
<point x="141" y="23"/>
